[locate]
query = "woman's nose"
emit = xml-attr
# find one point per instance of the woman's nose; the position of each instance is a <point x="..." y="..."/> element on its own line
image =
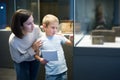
<point x="33" y="24"/>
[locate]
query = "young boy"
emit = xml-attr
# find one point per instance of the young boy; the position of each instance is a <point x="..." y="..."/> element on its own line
<point x="55" y="70"/>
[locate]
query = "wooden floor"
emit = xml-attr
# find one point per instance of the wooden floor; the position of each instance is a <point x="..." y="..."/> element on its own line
<point x="7" y="74"/>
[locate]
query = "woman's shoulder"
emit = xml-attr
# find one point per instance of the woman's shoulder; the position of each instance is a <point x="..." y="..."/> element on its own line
<point x="12" y="39"/>
<point x="36" y="26"/>
<point x="37" y="29"/>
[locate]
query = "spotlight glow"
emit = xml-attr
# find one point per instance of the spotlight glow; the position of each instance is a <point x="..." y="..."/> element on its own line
<point x="1" y="7"/>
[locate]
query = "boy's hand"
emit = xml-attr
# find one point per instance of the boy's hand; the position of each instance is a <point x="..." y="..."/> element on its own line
<point x="43" y="61"/>
<point x="71" y="37"/>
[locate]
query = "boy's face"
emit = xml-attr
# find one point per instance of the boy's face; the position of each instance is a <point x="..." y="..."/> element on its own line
<point x="51" y="29"/>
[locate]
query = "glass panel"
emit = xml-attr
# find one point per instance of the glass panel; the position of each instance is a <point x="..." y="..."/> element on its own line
<point x="31" y="5"/>
<point x="63" y="10"/>
<point x="97" y="23"/>
<point x="2" y="15"/>
<point x="8" y="7"/>
<point x="60" y="8"/>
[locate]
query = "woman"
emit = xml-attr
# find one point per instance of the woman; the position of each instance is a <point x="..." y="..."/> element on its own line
<point x="23" y="44"/>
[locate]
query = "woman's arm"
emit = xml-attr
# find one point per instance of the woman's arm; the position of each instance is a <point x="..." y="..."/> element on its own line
<point x="18" y="57"/>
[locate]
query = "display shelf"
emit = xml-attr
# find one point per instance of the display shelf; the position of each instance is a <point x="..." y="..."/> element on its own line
<point x="87" y="42"/>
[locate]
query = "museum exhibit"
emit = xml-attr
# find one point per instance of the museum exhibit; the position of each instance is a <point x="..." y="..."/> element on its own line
<point x="97" y="42"/>
<point x="95" y="29"/>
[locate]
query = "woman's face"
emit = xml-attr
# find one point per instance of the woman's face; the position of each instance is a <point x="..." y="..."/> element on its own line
<point x="28" y="25"/>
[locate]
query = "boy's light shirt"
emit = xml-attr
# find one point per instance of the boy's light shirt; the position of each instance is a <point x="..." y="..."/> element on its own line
<point x="54" y="43"/>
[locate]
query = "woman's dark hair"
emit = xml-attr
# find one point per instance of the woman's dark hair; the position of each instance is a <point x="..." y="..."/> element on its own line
<point x="18" y="18"/>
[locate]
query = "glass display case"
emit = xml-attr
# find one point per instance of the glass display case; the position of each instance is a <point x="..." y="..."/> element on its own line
<point x="39" y="8"/>
<point x="95" y="26"/>
<point x="32" y="5"/>
<point x="96" y="40"/>
<point x="8" y="7"/>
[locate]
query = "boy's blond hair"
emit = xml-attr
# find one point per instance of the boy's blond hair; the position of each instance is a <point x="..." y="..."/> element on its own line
<point x="49" y="18"/>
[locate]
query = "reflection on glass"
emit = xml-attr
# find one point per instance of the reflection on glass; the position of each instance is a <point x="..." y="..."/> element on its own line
<point x="96" y="23"/>
<point x="30" y="5"/>
<point x="8" y="7"/>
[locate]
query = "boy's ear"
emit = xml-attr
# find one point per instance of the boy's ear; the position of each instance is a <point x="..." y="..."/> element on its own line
<point x="44" y="25"/>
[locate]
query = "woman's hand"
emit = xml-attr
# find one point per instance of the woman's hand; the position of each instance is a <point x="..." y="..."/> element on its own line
<point x="36" y="45"/>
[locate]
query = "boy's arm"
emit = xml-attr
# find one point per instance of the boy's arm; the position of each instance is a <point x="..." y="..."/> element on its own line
<point x="69" y="41"/>
<point x="37" y="55"/>
<point x="42" y="60"/>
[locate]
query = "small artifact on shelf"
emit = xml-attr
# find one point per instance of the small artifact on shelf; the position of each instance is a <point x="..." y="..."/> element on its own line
<point x="117" y="30"/>
<point x="109" y="35"/>
<point x="97" y="39"/>
<point x="66" y="26"/>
